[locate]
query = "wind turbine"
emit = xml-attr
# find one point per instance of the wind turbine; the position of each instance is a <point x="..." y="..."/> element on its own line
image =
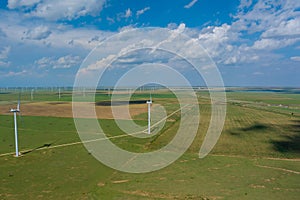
<point x="59" y="93"/>
<point x="15" y="111"/>
<point x="31" y="95"/>
<point x="149" y="114"/>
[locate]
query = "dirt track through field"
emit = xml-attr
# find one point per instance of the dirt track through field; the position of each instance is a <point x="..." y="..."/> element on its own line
<point x="278" y="168"/>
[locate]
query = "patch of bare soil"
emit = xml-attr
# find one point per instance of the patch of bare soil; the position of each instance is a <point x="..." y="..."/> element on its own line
<point x="149" y="195"/>
<point x="120" y="181"/>
<point x="64" y="109"/>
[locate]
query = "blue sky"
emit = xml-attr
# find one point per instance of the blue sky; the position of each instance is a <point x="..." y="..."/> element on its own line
<point x="253" y="43"/>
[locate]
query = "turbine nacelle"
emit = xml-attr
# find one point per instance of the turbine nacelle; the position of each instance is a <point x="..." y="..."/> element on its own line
<point x="14" y="110"/>
<point x="149" y="101"/>
<point x="18" y="107"/>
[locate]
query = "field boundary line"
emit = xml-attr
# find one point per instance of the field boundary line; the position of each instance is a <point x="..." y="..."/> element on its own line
<point x="252" y="157"/>
<point x="278" y="168"/>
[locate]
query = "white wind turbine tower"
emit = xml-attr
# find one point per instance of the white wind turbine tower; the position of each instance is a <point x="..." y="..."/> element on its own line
<point x="59" y="93"/>
<point x="15" y="111"/>
<point x="31" y="95"/>
<point x="149" y="114"/>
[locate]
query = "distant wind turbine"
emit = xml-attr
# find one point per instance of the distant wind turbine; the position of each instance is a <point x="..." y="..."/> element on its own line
<point x="31" y="95"/>
<point x="59" y="93"/>
<point x="149" y="114"/>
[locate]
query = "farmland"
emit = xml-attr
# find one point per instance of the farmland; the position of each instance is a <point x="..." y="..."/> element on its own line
<point x="256" y="157"/>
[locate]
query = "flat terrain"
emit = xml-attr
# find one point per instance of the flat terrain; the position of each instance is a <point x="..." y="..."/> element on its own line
<point x="64" y="109"/>
<point x="256" y="157"/>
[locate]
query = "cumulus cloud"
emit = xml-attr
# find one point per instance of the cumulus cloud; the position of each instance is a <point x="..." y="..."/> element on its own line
<point x="67" y="62"/>
<point x="38" y="33"/>
<point x="57" y="9"/>
<point x="271" y="44"/>
<point x="272" y="25"/>
<point x="271" y="18"/>
<point x="63" y="62"/>
<point x="217" y="40"/>
<point x="18" y="30"/>
<point x="285" y="28"/>
<point x="142" y="11"/>
<point x="101" y="64"/>
<point x="191" y="4"/>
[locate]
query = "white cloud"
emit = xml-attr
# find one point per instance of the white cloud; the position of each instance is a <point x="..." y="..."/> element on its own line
<point x="258" y="73"/>
<point x="285" y="28"/>
<point x="218" y="33"/>
<point x="4" y="52"/>
<point x="3" y="56"/>
<point x="101" y="64"/>
<point x="119" y="16"/>
<point x="276" y="25"/>
<point x="83" y="39"/>
<point x="128" y="13"/>
<point x="191" y="4"/>
<point x="295" y="58"/>
<point x="57" y="9"/>
<point x="38" y="33"/>
<point x="67" y="62"/>
<point x="53" y="50"/>
<point x="4" y="63"/>
<point x="63" y="62"/>
<point x="244" y="4"/>
<point x="271" y="44"/>
<point x="13" y="4"/>
<point x="271" y="18"/>
<point x="231" y="60"/>
<point x="110" y="20"/>
<point x="173" y="34"/>
<point x="19" y="73"/>
<point x="217" y="39"/>
<point x="142" y="11"/>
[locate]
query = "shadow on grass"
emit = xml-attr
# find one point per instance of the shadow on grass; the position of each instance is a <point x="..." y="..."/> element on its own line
<point x="119" y="103"/>
<point x="46" y="145"/>
<point x="289" y="143"/>
<point x="256" y="127"/>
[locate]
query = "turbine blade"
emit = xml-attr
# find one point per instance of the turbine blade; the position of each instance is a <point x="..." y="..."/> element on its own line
<point x="18" y="107"/>
<point x="21" y="118"/>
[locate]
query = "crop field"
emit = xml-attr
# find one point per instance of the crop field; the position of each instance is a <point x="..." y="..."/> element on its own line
<point x="256" y="157"/>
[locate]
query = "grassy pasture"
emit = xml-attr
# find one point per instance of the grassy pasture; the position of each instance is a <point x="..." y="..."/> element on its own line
<point x="257" y="156"/>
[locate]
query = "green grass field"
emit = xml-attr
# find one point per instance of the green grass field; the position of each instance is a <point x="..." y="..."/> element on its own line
<point x="256" y="157"/>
